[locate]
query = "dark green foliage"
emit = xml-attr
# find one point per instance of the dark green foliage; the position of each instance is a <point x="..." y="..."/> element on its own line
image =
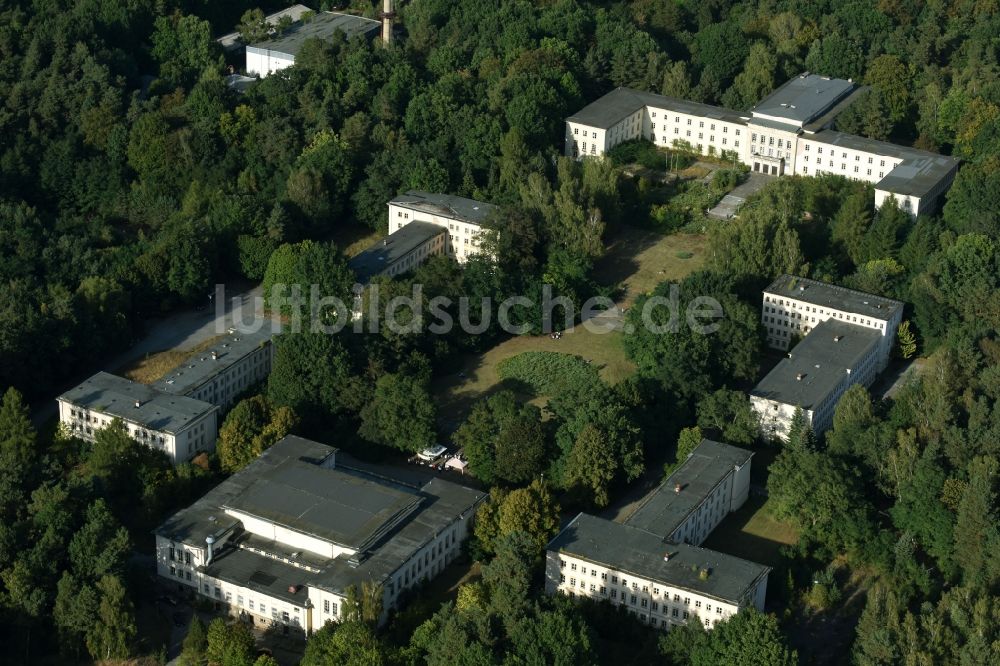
<point x="749" y="637"/>
<point x="669" y="341"/>
<point x="548" y="373"/>
<point x="401" y="413"/>
<point x="503" y="440"/>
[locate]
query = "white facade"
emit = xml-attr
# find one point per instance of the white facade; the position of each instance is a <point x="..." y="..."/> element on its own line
<point x="656" y="603"/>
<point x="197" y="436"/>
<point x="782" y="141"/>
<point x="463" y="238"/>
<point x="787" y="319"/>
<point x="183" y="564"/>
<point x="706" y="136"/>
<point x="263" y="62"/>
<point x="727" y="496"/>
<point x="650" y="563"/>
<point x="221" y="379"/>
<point x="776" y="416"/>
<point x="292" y="571"/>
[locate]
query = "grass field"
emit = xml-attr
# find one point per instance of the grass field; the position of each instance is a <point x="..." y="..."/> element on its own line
<point x="639" y="259"/>
<point x="456" y="394"/>
<point x="752" y="533"/>
<point x="548" y="373"/>
<point x="153" y="367"/>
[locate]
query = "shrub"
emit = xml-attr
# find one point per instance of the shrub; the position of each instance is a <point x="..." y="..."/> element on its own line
<point x="548" y="373"/>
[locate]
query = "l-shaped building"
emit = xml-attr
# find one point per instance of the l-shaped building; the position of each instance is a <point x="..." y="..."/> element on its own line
<point x="652" y="563"/>
<point x="178" y="414"/>
<point x="788" y="132"/>
<point x="838" y="337"/>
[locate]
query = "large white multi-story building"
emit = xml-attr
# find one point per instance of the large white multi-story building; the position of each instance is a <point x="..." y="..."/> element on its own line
<point x="234" y="364"/>
<point x="280" y="542"/>
<point x="847" y="337"/>
<point x="652" y="564"/>
<point x="178" y="414"/>
<point x="788" y="132"/>
<point x="792" y="306"/>
<point x="462" y="218"/>
<point x="179" y="426"/>
<point x="814" y="375"/>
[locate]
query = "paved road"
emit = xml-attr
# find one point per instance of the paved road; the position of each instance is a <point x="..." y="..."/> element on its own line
<point x="181" y="330"/>
<point x="730" y="203"/>
<point x="896" y="376"/>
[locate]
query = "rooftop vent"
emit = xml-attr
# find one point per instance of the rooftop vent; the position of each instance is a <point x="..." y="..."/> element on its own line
<point x="837" y="338"/>
<point x="292" y="589"/>
<point x="138" y="404"/>
<point x="677" y="487"/>
<point x="666" y="557"/>
<point x="799" y="377"/>
<point x="802" y="287"/>
<point x="215" y="356"/>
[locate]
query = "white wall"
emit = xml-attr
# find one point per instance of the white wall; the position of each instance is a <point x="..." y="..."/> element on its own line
<point x="600" y="582"/>
<point x="776" y="417"/>
<point x="222" y="389"/>
<point x="261" y="62"/>
<point x="463" y="238"/>
<point x="797" y="318"/>
<point x="199" y="435"/>
<point x="816" y="157"/>
<point x="907" y="203"/>
<point x="287" y="537"/>
<point x="741" y="486"/>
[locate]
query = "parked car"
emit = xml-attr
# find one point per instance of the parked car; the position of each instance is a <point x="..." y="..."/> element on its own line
<point x="432" y="453"/>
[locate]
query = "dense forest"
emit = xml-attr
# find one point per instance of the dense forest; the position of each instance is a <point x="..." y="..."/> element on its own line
<point x="132" y="179"/>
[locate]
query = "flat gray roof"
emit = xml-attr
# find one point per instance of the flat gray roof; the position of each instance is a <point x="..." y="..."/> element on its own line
<point x="663" y="511"/>
<point x="828" y="295"/>
<point x="382" y="254"/>
<point x="116" y="397"/>
<point x="330" y="504"/>
<point x="446" y="205"/>
<point x="322" y="26"/>
<point x="294" y="12"/>
<point x="638" y="552"/>
<point x="607" y="111"/>
<point x="439" y="504"/>
<point x="199" y="367"/>
<point x="919" y="173"/>
<point x="804" y="98"/>
<point x="821" y="362"/>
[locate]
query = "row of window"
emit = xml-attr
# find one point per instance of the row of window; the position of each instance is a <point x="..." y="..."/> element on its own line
<point x="857" y="158"/>
<point x="642" y="602"/>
